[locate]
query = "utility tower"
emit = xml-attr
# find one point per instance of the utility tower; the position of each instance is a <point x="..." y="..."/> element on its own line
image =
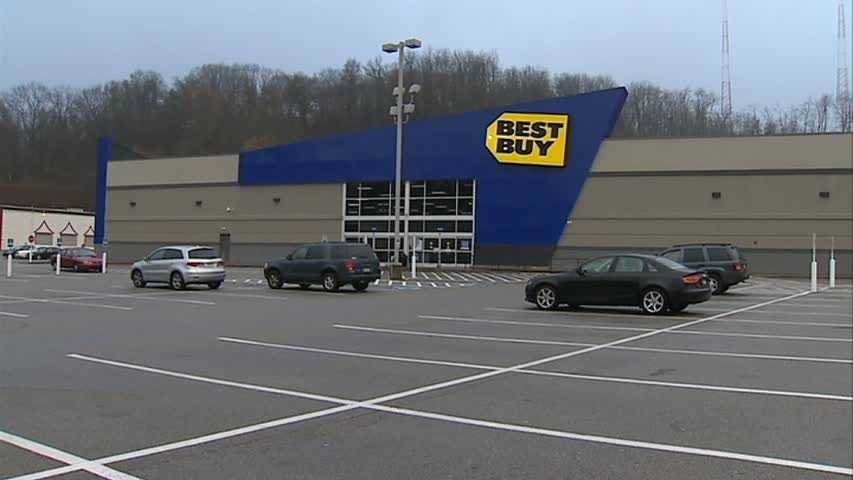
<point x="725" y="74"/>
<point x="842" y="88"/>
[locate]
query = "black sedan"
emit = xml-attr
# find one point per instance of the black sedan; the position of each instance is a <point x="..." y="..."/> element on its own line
<point x="655" y="284"/>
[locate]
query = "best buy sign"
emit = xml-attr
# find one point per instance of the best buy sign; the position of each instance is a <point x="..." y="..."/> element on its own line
<point x="529" y="138"/>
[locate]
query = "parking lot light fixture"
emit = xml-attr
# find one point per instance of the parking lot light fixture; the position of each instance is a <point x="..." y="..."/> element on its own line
<point x="398" y="113"/>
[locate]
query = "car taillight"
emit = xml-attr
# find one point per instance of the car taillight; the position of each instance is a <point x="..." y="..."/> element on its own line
<point x="740" y="266"/>
<point x="195" y="264"/>
<point x="692" y="279"/>
<point x="351" y="266"/>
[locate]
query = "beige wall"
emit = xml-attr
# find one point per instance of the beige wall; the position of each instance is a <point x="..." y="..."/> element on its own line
<point x="784" y="152"/>
<point x="778" y="211"/>
<point x="173" y="171"/>
<point x="305" y="213"/>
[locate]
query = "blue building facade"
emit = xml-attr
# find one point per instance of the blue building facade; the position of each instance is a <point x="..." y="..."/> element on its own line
<point x="521" y="207"/>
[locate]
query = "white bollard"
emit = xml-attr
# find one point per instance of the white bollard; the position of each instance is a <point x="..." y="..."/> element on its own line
<point x="58" y="262"/>
<point x="414" y="261"/>
<point x="813" y="287"/>
<point x="9" y="266"/>
<point x="104" y="262"/>
<point x="814" y="277"/>
<point x="831" y="273"/>
<point x="832" y="264"/>
<point x="30" y="255"/>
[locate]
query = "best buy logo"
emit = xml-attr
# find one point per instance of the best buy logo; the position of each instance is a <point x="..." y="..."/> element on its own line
<point x="529" y="138"/>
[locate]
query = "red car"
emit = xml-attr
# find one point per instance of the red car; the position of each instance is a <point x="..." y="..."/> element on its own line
<point x="79" y="260"/>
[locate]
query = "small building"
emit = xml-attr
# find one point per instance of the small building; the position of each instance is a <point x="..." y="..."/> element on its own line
<point x="47" y="227"/>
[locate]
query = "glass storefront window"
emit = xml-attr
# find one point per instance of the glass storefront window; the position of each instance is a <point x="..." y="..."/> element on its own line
<point x="369" y="215"/>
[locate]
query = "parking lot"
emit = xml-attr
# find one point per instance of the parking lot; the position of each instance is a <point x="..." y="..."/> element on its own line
<point x="98" y="379"/>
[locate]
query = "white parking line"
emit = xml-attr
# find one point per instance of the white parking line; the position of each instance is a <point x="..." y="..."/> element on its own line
<point x="778" y="322"/>
<point x="248" y="295"/>
<point x="600" y="327"/>
<point x="598" y="378"/>
<point x="577" y="344"/>
<point x="143" y="296"/>
<point x="64" y="457"/>
<point x="822" y="304"/>
<point x="66" y="302"/>
<point x="534" y="324"/>
<point x="11" y="314"/>
<point x="586" y="313"/>
<point x="375" y="404"/>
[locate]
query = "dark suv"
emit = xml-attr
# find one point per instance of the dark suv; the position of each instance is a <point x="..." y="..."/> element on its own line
<point x="330" y="264"/>
<point x="722" y="262"/>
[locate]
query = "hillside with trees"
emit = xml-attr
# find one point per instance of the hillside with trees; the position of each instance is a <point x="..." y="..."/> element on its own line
<point x="48" y="134"/>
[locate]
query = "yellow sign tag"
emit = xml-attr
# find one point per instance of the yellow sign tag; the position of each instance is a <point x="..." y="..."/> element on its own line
<point x="529" y="139"/>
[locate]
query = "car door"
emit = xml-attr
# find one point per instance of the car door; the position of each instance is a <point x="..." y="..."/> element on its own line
<point x="693" y="257"/>
<point x="152" y="266"/>
<point x="315" y="260"/>
<point x="173" y="260"/>
<point x="589" y="287"/>
<point x="625" y="280"/>
<point x="289" y="267"/>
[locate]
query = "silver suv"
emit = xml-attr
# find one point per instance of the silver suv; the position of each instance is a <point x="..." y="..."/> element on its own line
<point x="179" y="266"/>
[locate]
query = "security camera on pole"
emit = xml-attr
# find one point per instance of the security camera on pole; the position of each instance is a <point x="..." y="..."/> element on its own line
<point x="400" y="112"/>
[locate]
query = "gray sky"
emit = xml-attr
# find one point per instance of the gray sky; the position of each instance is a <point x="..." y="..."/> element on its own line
<point x="783" y="51"/>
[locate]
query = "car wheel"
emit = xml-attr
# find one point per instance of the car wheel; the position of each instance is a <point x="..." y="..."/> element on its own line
<point x="677" y="308"/>
<point x="330" y="282"/>
<point x="304" y="286"/>
<point x="546" y="297"/>
<point x="137" y="279"/>
<point x="653" y="301"/>
<point x="274" y="279"/>
<point x="176" y="281"/>
<point x="360" y="286"/>
<point x="715" y="283"/>
<point x="214" y="285"/>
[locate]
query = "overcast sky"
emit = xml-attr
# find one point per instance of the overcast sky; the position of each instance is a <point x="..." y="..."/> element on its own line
<point x="783" y="51"/>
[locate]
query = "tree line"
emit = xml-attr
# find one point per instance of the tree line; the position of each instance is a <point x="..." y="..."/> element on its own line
<point x="48" y="134"/>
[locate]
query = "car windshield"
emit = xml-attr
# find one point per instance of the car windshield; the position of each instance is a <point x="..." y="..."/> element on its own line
<point x="672" y="265"/>
<point x="203" y="253"/>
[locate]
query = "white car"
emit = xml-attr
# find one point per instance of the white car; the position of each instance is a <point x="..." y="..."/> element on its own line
<point x="23" y="251"/>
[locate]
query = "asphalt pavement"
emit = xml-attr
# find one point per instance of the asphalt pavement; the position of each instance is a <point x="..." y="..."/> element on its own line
<point x="101" y="380"/>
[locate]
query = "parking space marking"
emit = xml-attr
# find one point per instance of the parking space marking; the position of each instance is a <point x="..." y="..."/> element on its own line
<point x="617" y="347"/>
<point x="634" y="329"/>
<point x="779" y="322"/>
<point x="12" y="314"/>
<point x="783" y="312"/>
<point x="587" y="313"/>
<point x="375" y="404"/>
<point x="64" y="302"/>
<point x="810" y="305"/>
<point x="248" y="295"/>
<point x="143" y="296"/>
<point x="533" y="324"/>
<point x="599" y="378"/>
<point x="64" y="457"/>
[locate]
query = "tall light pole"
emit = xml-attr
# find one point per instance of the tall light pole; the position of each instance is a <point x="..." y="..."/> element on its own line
<point x="398" y="112"/>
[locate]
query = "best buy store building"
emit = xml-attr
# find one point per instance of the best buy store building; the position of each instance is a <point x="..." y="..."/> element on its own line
<point x="518" y="186"/>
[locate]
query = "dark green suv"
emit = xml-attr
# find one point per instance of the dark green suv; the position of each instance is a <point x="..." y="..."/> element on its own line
<point x="329" y="264"/>
<point x="724" y="264"/>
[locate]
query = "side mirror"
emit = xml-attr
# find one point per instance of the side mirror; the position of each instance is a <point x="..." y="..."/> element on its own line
<point x="581" y="271"/>
<point x="289" y="257"/>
